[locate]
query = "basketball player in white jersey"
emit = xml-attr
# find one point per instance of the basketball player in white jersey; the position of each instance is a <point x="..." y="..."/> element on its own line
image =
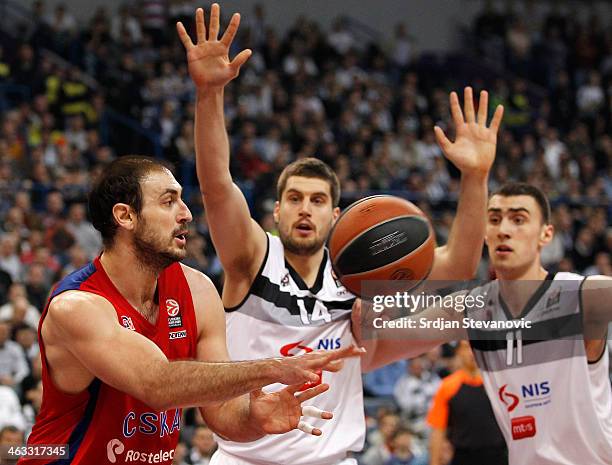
<point x="548" y="383"/>
<point x="280" y="295"/>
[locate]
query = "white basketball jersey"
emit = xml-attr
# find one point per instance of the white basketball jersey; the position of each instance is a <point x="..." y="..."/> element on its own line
<point x="552" y="405"/>
<point x="281" y="316"/>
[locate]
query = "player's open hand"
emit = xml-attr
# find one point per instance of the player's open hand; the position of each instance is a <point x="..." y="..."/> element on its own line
<point x="208" y="60"/>
<point x="280" y="412"/>
<point x="473" y="151"/>
<point x="308" y="367"/>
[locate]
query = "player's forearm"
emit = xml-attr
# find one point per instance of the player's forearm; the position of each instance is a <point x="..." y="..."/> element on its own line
<point x="391" y="350"/>
<point x="466" y="238"/>
<point x="211" y="142"/>
<point x="232" y="420"/>
<point x="190" y="383"/>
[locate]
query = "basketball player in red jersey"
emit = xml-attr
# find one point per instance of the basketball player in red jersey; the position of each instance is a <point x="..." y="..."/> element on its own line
<point x="116" y="336"/>
<point x="283" y="288"/>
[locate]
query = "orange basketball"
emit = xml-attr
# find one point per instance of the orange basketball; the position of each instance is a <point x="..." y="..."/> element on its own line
<point x="381" y="238"/>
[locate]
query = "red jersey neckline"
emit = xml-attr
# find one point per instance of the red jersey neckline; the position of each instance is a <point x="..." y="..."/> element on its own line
<point x="149" y="329"/>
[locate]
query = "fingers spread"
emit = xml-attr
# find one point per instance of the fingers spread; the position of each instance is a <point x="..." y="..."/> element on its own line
<point x="313" y="412"/>
<point x="312" y="392"/>
<point x="182" y="33"/>
<point x="200" y="26"/>
<point x="230" y="32"/>
<point x="213" y="28"/>
<point x="456" y="109"/>
<point x="443" y="141"/>
<point x="497" y="118"/>
<point x="483" y="106"/>
<point x="240" y="59"/>
<point x="334" y="366"/>
<point x="468" y="105"/>
<point x="309" y="429"/>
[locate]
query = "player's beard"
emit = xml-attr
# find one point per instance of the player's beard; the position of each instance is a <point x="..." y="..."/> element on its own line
<point x="153" y="251"/>
<point x="302" y="247"/>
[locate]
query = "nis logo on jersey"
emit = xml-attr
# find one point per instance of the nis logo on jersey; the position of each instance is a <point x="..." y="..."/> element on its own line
<point x="532" y="395"/>
<point x="297" y="348"/>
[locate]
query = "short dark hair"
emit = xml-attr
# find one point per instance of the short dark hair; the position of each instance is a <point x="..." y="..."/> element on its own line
<point x="310" y="168"/>
<point x="9" y="429"/>
<point x="521" y="188"/>
<point x="120" y="182"/>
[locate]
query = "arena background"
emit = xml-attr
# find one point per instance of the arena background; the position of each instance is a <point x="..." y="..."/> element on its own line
<point x="339" y="80"/>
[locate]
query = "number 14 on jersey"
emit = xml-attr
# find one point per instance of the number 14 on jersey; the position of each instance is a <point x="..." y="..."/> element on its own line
<point x="319" y="312"/>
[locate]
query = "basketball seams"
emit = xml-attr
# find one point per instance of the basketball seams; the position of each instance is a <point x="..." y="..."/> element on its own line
<point x="349" y="243"/>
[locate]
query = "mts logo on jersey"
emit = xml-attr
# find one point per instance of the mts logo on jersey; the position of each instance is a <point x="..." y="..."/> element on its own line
<point x="523" y="427"/>
<point x="533" y="395"/>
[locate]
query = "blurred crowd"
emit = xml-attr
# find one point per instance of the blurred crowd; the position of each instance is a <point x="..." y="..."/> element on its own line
<point x="367" y="108"/>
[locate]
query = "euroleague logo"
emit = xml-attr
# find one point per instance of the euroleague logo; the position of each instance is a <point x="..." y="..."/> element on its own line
<point x="172" y="307"/>
<point x="510" y="400"/>
<point x="289" y="350"/>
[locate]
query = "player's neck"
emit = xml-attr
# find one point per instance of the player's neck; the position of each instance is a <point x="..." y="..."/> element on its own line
<point x="136" y="283"/>
<point x="517" y="286"/>
<point x="307" y="266"/>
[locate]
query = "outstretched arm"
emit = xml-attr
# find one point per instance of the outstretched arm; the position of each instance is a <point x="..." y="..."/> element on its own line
<point x="248" y="417"/>
<point x="81" y="324"/>
<point x="239" y="240"/>
<point x="386" y="342"/>
<point x="473" y="153"/>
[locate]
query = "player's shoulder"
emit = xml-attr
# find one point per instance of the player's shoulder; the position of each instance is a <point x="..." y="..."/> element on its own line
<point x="195" y="278"/>
<point x="201" y="288"/>
<point x="74" y="299"/>
<point x="568" y="276"/>
<point x="76" y="308"/>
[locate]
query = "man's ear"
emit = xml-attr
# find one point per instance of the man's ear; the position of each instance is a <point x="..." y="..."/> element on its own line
<point x="124" y="216"/>
<point x="336" y="213"/>
<point x="276" y="212"/>
<point x="546" y="234"/>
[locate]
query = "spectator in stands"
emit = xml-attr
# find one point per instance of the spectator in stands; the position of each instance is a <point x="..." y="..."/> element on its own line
<point x="18" y="308"/>
<point x="83" y="231"/>
<point x="414" y="390"/>
<point x="403" y="452"/>
<point x="203" y="446"/>
<point x="9" y="258"/>
<point x="379" y="450"/>
<point x="13" y="364"/>
<point x="37" y="285"/>
<point x="10" y="410"/>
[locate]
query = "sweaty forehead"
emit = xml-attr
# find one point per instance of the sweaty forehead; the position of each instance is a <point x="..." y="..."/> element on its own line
<point x="307" y="186"/>
<point x="513" y="202"/>
<point x="157" y="182"/>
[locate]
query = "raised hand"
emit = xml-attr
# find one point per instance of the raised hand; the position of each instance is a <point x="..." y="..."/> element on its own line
<point x="473" y="151"/>
<point x="280" y="412"/>
<point x="208" y="60"/>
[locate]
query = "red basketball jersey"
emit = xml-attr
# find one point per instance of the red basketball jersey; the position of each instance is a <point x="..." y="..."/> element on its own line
<point x="102" y="424"/>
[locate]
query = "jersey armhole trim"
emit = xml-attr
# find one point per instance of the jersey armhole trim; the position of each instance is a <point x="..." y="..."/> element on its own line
<point x="580" y="306"/>
<point x="250" y="291"/>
